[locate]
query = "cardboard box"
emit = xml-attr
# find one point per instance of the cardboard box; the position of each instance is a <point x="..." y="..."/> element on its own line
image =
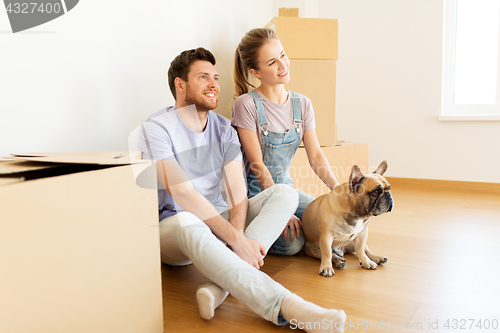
<point x="307" y="38"/>
<point x="80" y="245"/>
<point x="289" y="12"/>
<point x="341" y="158"/>
<point x="316" y="79"/>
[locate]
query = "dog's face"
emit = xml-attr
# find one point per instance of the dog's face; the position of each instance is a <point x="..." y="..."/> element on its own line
<point x="372" y="192"/>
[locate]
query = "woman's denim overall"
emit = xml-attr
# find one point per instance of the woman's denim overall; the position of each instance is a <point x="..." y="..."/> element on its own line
<point x="278" y="150"/>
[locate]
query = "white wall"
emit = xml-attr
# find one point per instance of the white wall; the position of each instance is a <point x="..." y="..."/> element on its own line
<point x="83" y="81"/>
<point x="389" y="92"/>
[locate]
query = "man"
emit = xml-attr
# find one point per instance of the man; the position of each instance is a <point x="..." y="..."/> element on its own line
<point x="195" y="151"/>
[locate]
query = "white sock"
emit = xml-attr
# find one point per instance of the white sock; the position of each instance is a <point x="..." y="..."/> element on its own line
<point x="311" y="317"/>
<point x="209" y="297"/>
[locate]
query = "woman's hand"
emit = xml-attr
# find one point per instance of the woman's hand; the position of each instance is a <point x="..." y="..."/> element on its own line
<point x="294" y="225"/>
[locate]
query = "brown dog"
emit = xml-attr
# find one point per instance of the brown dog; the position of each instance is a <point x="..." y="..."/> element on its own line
<point x="341" y="217"/>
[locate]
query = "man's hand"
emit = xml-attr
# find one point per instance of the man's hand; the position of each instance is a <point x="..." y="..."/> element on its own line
<point x="294" y="223"/>
<point x="251" y="251"/>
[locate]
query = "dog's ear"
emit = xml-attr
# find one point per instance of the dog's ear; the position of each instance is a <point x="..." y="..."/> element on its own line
<point x="382" y="168"/>
<point x="355" y="178"/>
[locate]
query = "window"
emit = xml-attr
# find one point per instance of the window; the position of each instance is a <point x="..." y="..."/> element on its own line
<point x="470" y="72"/>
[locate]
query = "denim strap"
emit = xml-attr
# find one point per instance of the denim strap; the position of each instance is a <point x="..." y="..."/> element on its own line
<point x="297" y="116"/>
<point x="260" y="110"/>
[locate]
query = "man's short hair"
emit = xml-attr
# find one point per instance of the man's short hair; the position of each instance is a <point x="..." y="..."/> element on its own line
<point x="181" y="65"/>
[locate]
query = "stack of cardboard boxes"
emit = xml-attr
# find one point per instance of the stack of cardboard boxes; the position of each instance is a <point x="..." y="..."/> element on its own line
<point x="312" y="47"/>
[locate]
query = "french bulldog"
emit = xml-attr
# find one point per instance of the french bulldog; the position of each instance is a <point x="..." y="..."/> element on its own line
<point x="337" y="222"/>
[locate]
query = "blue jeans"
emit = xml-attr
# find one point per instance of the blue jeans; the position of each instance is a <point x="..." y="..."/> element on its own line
<point x="184" y="238"/>
<point x="290" y="247"/>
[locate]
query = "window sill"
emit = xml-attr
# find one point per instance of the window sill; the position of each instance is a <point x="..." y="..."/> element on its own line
<point x="470" y="117"/>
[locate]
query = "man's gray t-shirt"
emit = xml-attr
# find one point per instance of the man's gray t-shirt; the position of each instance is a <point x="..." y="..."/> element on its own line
<point x="164" y="135"/>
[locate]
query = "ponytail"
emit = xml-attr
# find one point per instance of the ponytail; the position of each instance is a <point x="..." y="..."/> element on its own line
<point x="245" y="58"/>
<point x="240" y="76"/>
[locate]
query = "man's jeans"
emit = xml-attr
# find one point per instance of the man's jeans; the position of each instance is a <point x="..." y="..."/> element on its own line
<point x="185" y="238"/>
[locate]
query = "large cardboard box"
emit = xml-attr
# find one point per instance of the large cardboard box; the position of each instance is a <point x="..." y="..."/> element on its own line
<point x="341" y="158"/>
<point x="79" y="244"/>
<point x="307" y="38"/>
<point x="316" y="79"/>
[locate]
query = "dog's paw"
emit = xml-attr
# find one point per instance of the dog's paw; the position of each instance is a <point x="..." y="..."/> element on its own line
<point x="327" y="273"/>
<point x="381" y="260"/>
<point x="369" y="264"/>
<point x="326" y="270"/>
<point x="340" y="263"/>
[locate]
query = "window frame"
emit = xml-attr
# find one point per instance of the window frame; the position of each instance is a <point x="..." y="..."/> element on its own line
<point x="449" y="110"/>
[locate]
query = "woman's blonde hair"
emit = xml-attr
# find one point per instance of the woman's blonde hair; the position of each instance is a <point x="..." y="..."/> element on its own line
<point x="245" y="58"/>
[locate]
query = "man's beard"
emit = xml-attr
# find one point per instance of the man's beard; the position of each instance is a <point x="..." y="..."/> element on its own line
<point x="200" y="103"/>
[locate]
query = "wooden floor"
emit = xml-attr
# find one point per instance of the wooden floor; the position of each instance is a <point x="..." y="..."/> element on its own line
<point x="442" y="274"/>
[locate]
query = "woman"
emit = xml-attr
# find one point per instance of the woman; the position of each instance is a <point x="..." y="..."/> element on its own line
<point x="271" y="122"/>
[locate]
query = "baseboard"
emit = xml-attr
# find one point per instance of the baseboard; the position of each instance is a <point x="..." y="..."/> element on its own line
<point x="445" y="185"/>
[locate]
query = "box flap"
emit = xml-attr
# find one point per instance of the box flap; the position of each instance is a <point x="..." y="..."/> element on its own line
<point x="10" y="167"/>
<point x="99" y="158"/>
